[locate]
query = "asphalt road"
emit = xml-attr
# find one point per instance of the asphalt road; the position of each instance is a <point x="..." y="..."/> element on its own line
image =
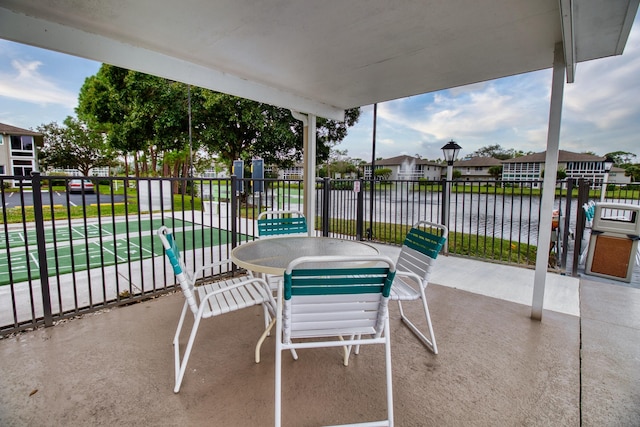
<point x="58" y="198"/>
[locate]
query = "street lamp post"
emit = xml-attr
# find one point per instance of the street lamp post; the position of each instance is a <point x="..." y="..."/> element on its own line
<point x="608" y="164"/>
<point x="450" y="151"/>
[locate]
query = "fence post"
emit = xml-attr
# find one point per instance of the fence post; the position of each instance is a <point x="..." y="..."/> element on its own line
<point x="234" y="212"/>
<point x="583" y="197"/>
<point x="567" y="224"/>
<point x="445" y="200"/>
<point x="326" y="201"/>
<point x="444" y="214"/>
<point x="36" y="186"/>
<point x="360" y="211"/>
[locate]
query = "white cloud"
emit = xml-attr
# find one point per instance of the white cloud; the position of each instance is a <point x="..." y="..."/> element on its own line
<point x="517" y="109"/>
<point x="25" y="83"/>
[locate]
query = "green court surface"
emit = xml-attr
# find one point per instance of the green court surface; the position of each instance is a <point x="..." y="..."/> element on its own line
<point x="18" y="238"/>
<point x="94" y="254"/>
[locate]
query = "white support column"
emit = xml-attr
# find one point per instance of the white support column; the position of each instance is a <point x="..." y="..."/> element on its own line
<point x="309" y="178"/>
<point x="549" y="183"/>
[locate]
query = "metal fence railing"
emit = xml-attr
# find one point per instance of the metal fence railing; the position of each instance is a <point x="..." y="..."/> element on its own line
<point x="67" y="250"/>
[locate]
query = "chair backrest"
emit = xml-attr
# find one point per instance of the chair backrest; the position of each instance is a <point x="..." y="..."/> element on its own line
<point x="421" y="247"/>
<point x="589" y="212"/>
<point x="184" y="277"/>
<point x="328" y="296"/>
<point x="281" y="223"/>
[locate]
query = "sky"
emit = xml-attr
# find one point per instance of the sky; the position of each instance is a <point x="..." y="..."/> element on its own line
<point x="601" y="110"/>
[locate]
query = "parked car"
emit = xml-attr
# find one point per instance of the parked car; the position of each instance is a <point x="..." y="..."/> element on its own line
<point x="78" y="185"/>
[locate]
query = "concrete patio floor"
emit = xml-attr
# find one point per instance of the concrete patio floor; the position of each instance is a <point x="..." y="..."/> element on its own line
<point x="579" y="366"/>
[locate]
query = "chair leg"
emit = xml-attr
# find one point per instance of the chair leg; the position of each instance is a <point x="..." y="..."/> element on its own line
<point x="430" y="342"/>
<point x="387" y="354"/>
<point x="264" y="335"/>
<point x="176" y="345"/>
<point x="182" y="366"/>
<point x="267" y="318"/>
<point x="347" y="350"/>
<point x="278" y="369"/>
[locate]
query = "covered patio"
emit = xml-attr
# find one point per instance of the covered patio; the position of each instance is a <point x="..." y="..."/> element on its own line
<point x="495" y="366"/>
<point x="318" y="59"/>
<point x="577" y="364"/>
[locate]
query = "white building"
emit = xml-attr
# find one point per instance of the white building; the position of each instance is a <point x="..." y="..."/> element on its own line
<point x="18" y="152"/>
<point x="476" y="168"/>
<point x="576" y="165"/>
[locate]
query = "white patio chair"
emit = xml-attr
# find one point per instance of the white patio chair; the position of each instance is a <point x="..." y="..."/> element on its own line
<point x="211" y="299"/>
<point x="328" y="301"/>
<point x="415" y="264"/>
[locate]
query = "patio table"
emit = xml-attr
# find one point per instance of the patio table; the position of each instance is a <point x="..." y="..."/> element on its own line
<point x="272" y="256"/>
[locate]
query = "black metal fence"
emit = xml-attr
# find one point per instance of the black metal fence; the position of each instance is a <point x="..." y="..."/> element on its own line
<point x="66" y="250"/>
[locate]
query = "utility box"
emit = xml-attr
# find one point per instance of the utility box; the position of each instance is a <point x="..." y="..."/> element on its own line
<point x="614" y="241"/>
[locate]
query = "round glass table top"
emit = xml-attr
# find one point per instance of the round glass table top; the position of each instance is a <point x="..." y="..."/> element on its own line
<point x="271" y="256"/>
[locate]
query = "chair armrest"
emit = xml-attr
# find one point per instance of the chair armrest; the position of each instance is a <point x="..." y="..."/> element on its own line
<point x="413" y="276"/>
<point x="201" y="270"/>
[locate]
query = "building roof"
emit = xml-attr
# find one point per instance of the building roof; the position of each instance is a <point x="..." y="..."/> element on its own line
<point x="13" y="130"/>
<point x="563" y="157"/>
<point x="323" y="57"/>
<point x="477" y="162"/>
<point x="399" y="160"/>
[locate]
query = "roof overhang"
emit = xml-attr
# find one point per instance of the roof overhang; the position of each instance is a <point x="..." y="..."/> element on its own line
<point x="324" y="57"/>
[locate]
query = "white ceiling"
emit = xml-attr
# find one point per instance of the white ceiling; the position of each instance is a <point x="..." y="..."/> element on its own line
<point x="322" y="57"/>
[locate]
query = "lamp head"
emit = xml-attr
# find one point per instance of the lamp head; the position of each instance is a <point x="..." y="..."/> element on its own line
<point x="450" y="151"/>
<point x="608" y="164"/>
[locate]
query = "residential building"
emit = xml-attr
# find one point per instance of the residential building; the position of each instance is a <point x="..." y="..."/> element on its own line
<point x="408" y="168"/>
<point x="18" y="152"/>
<point x="100" y="171"/>
<point x="576" y="165"/>
<point x="617" y="176"/>
<point x="476" y="168"/>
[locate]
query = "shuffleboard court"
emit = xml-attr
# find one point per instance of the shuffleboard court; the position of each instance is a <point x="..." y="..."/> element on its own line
<point x="95" y="254"/>
<point x="18" y="238"/>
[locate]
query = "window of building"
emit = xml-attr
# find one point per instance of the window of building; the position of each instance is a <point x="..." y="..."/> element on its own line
<point x="22" y="145"/>
<point x="22" y="167"/>
<point x="2" y="170"/>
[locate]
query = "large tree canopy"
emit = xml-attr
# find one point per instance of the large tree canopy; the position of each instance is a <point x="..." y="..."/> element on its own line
<point x="498" y="152"/>
<point x="140" y="113"/>
<point x="147" y="114"/>
<point x="237" y="128"/>
<point x="73" y="146"/>
<point x="621" y="158"/>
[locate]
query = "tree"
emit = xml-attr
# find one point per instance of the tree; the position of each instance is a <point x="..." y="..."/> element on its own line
<point x="634" y="172"/>
<point x="147" y="116"/>
<point x="73" y="146"/>
<point x="621" y="158"/>
<point x="497" y="152"/>
<point x="142" y="115"/>
<point x="238" y="128"/>
<point x="382" y="174"/>
<point x="560" y="174"/>
<point x="496" y="172"/>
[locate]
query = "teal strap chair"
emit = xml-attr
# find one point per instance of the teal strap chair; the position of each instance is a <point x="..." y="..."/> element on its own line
<point x="330" y="301"/>
<point x="279" y="224"/>
<point x="285" y="223"/>
<point x="209" y="300"/>
<point x="415" y="263"/>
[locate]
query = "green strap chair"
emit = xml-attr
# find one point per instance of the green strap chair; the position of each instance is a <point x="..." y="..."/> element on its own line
<point x="331" y="301"/>
<point x="415" y="263"/>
